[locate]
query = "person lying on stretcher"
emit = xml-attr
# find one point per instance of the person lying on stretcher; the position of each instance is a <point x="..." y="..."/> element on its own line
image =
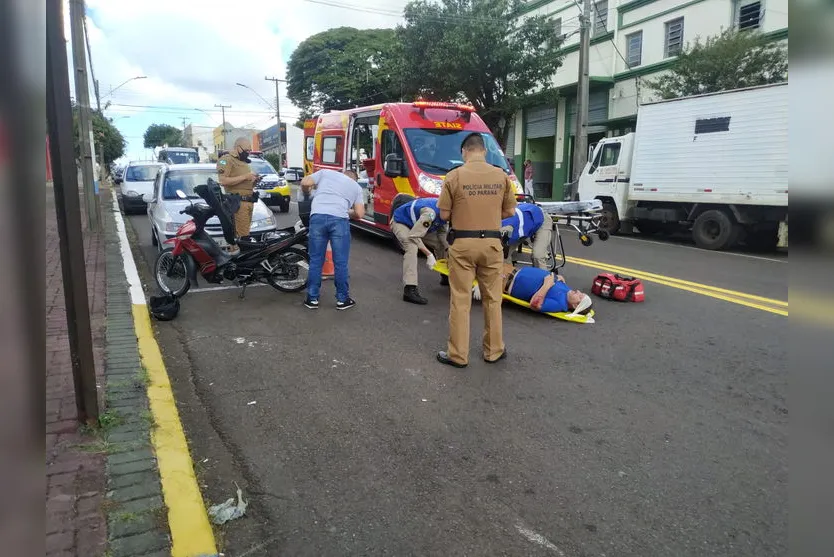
<point x="544" y="291"/>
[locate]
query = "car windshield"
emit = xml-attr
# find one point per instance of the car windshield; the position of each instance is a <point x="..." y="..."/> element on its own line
<point x="183" y="157"/>
<point x="186" y="180"/>
<point x="144" y="173"/>
<point x="261" y="167"/>
<point x="438" y="151"/>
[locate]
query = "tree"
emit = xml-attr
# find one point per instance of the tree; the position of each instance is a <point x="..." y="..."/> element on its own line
<point x="479" y="51"/>
<point x="158" y="135"/>
<point x="105" y="135"/>
<point x="731" y="60"/>
<point x="275" y="160"/>
<point x="342" y="68"/>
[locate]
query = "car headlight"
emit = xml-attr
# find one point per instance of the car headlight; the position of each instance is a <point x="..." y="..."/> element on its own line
<point x="131" y="193"/>
<point x="172" y="227"/>
<point x="430" y="184"/>
<point x="263" y="223"/>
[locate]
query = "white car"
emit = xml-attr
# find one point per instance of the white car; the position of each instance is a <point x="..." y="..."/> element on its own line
<point x="136" y="181"/>
<point x="164" y="206"/>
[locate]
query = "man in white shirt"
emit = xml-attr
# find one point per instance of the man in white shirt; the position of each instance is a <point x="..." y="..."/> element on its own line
<point x="337" y="197"/>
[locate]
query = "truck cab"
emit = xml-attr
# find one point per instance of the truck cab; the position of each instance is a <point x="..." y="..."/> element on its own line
<point x="607" y="176"/>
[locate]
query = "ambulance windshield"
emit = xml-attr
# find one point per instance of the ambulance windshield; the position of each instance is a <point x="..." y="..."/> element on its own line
<point x="438" y="151"/>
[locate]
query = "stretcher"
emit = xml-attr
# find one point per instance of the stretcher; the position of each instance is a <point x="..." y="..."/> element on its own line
<point x="582" y="216"/>
<point x="442" y="268"/>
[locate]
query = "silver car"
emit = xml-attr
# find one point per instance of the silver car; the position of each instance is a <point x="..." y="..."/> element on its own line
<point x="164" y="206"/>
<point x="136" y="181"/>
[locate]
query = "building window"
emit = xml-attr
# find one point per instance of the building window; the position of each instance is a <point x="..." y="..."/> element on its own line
<point x="712" y="125"/>
<point x="634" y="49"/>
<point x="557" y="28"/>
<point x="674" y="38"/>
<point x="601" y="18"/>
<point x="330" y="150"/>
<point x="748" y="15"/>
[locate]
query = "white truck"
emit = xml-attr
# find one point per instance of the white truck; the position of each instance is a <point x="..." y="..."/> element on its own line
<point x="715" y="164"/>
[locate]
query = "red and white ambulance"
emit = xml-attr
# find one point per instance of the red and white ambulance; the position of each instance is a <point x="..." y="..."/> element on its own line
<point x="396" y="148"/>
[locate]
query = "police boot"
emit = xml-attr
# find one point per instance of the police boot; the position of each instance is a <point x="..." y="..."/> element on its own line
<point x="411" y="295"/>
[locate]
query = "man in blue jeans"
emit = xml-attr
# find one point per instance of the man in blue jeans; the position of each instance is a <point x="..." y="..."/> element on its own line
<point x="337" y="197"/>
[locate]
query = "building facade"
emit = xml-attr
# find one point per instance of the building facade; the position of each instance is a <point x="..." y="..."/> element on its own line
<point x="631" y="42"/>
<point x="232" y="134"/>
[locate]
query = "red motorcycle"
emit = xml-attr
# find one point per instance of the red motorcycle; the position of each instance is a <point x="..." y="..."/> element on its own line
<point x="279" y="259"/>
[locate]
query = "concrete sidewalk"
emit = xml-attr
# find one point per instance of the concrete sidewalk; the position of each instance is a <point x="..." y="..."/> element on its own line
<point x="103" y="490"/>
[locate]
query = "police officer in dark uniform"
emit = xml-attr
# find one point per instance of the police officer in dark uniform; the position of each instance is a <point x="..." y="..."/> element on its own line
<point x="474" y="199"/>
<point x="236" y="177"/>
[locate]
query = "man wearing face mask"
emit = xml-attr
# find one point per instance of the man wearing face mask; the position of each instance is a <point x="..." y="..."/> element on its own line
<point x="236" y="177"/>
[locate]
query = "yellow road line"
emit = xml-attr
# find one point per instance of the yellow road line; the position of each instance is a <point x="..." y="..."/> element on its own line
<point x="646" y="275"/>
<point x="187" y="518"/>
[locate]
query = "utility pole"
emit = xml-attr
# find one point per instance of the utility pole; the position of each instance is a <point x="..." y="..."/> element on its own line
<point x="281" y="149"/>
<point x="68" y="213"/>
<point x="82" y="96"/>
<point x="580" y="141"/>
<point x="185" y="139"/>
<point x="223" y="108"/>
<point x="101" y="171"/>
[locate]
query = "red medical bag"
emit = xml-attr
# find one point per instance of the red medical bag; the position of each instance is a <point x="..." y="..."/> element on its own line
<point x="618" y="287"/>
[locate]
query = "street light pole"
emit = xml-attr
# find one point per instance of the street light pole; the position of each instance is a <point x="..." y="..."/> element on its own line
<point x="281" y="147"/>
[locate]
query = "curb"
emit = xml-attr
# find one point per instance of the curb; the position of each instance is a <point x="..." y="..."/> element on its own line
<point x="139" y="389"/>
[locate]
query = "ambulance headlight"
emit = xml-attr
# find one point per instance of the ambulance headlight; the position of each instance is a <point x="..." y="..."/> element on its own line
<point x="430" y="184"/>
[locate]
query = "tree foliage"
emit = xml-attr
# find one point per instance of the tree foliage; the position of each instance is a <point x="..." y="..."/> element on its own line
<point x="731" y="60"/>
<point x="105" y="135"/>
<point x="479" y="51"/>
<point x="158" y="135"/>
<point x="342" y="68"/>
<point x="275" y="160"/>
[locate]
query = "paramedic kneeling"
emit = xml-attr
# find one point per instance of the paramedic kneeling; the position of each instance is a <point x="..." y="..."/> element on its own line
<point x="545" y="291"/>
<point x="532" y="225"/>
<point x="417" y="224"/>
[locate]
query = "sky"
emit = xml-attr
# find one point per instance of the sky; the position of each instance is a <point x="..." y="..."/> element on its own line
<point x="194" y="51"/>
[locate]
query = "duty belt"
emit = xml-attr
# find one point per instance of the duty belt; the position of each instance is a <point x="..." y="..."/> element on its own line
<point x="494" y="234"/>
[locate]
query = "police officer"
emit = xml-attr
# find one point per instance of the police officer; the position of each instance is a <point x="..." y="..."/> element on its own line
<point x="417" y="224"/>
<point x="474" y="199"/>
<point x="236" y="177"/>
<point x="529" y="224"/>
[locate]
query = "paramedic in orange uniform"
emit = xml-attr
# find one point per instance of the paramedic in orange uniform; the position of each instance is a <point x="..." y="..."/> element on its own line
<point x="474" y="199"/>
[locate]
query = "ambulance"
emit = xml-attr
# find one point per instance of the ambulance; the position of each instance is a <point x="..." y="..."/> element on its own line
<point x="397" y="148"/>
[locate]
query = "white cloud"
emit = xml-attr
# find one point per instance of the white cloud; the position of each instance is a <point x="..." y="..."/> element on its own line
<point x="193" y="53"/>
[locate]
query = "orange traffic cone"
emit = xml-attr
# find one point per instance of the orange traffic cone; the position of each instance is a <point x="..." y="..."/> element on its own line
<point x="327" y="270"/>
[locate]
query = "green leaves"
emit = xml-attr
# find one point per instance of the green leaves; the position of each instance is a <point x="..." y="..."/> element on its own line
<point x="342" y="68"/>
<point x="731" y="60"/>
<point x="158" y="135"/>
<point x="105" y="136"/>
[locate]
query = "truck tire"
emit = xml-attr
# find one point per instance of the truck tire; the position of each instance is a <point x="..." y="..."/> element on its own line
<point x="609" y="219"/>
<point x="714" y="230"/>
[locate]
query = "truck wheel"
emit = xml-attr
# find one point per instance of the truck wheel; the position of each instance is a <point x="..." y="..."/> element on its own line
<point x="714" y="230"/>
<point x="609" y="219"/>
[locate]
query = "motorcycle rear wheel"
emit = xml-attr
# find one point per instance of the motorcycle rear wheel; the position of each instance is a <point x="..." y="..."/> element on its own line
<point x="178" y="283"/>
<point x="292" y="268"/>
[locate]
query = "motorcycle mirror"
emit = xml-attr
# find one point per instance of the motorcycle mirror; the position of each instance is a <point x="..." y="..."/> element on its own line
<point x="181" y="194"/>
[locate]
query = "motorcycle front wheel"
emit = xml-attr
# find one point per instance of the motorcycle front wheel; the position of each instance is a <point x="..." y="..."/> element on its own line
<point x="171" y="273"/>
<point x="290" y="270"/>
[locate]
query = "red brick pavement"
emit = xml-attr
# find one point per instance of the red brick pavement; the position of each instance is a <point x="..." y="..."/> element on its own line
<point x="75" y="488"/>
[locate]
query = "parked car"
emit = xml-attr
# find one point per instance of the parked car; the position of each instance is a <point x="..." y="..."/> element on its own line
<point x="178" y="155"/>
<point x="293" y="174"/>
<point x="136" y="181"/>
<point x="164" y="205"/>
<point x="273" y="189"/>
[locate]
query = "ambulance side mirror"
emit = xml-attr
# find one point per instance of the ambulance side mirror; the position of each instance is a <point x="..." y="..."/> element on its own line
<point x="394" y="166"/>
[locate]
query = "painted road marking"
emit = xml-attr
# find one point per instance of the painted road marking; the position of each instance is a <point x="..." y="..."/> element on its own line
<point x="732" y="296"/>
<point x="191" y="532"/>
<point x="748" y="256"/>
<point x="229" y="287"/>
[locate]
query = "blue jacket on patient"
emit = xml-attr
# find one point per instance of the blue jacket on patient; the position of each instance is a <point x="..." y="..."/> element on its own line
<point x="529" y="279"/>
<point x="526" y="221"/>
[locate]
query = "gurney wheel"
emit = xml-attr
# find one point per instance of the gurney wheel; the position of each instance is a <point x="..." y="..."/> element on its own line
<point x="603" y="235"/>
<point x="586" y="240"/>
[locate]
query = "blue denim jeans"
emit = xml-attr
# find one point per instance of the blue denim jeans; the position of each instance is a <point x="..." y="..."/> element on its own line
<point x="323" y="229"/>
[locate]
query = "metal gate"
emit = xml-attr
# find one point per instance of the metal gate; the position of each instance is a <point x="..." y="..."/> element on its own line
<point x="597" y="111"/>
<point x="541" y="121"/>
<point x="509" y="150"/>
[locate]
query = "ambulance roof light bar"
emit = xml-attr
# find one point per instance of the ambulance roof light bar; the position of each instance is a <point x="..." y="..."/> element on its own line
<point x="466" y="109"/>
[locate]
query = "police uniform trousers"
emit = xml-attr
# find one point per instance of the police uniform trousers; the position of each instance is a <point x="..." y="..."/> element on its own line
<point x="243" y="218"/>
<point x="410" y="247"/>
<point x="470" y="259"/>
<point x="540" y="245"/>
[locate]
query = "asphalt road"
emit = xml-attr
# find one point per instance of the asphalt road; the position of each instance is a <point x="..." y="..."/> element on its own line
<point x="662" y="429"/>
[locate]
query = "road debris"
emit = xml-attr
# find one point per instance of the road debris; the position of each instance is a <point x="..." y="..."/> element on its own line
<point x="229" y="510"/>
